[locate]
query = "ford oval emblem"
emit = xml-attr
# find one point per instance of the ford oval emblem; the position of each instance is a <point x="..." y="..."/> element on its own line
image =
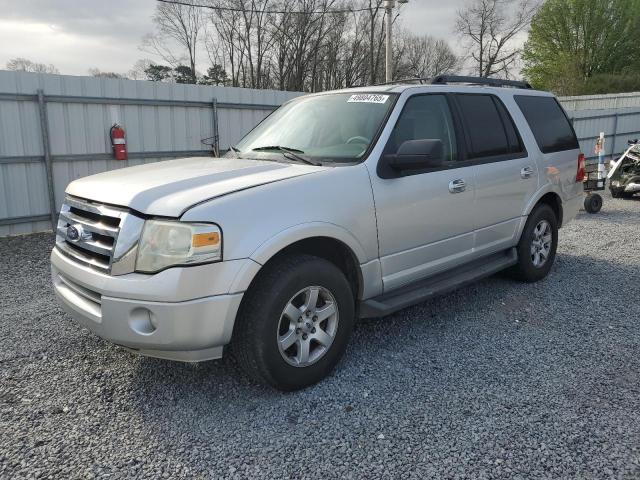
<point x="75" y="233"/>
<point x="72" y="233"/>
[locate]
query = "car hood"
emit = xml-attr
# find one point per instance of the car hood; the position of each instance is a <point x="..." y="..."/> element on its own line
<point x="169" y="188"/>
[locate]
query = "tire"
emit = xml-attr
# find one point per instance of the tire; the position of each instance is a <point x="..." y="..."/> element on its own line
<point x="265" y="328"/>
<point x="526" y="269"/>
<point x="627" y="195"/>
<point x="593" y="203"/>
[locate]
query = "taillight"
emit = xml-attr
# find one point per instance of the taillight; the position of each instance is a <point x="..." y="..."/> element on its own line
<point x="580" y="174"/>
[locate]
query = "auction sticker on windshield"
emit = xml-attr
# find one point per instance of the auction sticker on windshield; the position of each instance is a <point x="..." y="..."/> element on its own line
<point x="368" y="98"/>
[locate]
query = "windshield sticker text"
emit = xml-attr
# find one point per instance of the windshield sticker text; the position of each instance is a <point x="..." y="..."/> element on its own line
<point x="368" y="98"/>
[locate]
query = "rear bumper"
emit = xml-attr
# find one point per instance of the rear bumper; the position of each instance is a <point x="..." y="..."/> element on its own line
<point x="188" y="330"/>
<point x="571" y="207"/>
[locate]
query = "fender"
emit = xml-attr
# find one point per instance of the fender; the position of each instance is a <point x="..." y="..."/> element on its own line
<point x="263" y="253"/>
<point x="548" y="188"/>
<point x="293" y="234"/>
<point x="533" y="201"/>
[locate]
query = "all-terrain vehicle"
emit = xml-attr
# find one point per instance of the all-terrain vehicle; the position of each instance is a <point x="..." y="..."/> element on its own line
<point x="624" y="176"/>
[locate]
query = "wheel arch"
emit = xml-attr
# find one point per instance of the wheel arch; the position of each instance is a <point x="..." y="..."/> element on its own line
<point x="328" y="241"/>
<point x="548" y="197"/>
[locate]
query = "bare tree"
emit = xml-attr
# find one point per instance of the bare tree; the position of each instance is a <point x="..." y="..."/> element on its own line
<point x="375" y="34"/>
<point x="424" y="57"/>
<point x="182" y="24"/>
<point x="489" y="29"/>
<point x="307" y="45"/>
<point x="25" y="65"/>
<point x="138" y="71"/>
<point x="223" y="43"/>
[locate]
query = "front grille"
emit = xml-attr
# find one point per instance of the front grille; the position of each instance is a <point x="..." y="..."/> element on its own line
<point x="88" y="232"/>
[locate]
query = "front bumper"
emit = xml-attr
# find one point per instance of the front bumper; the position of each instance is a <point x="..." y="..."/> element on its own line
<point x="160" y="322"/>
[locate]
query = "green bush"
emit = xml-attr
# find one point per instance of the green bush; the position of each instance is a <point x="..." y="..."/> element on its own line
<point x="610" y="83"/>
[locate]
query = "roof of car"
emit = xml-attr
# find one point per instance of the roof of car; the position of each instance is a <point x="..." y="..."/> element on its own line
<point x="455" y="87"/>
<point x="450" y="83"/>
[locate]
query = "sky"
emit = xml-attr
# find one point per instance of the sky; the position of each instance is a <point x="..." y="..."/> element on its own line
<point x="76" y="35"/>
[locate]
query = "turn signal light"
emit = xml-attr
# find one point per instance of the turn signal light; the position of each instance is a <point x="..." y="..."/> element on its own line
<point x="205" y="239"/>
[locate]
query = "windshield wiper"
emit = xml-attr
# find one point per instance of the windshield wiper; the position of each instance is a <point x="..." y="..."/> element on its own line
<point x="290" y="153"/>
<point x="235" y="150"/>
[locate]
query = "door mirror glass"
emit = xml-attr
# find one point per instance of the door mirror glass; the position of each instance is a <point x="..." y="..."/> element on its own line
<point x="418" y="155"/>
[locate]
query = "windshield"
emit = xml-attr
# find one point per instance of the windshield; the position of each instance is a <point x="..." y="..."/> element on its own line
<point x="330" y="127"/>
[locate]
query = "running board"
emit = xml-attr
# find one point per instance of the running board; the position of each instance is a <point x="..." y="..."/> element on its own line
<point x="437" y="285"/>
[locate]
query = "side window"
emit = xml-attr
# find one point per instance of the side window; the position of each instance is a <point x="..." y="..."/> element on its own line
<point x="485" y="128"/>
<point x="550" y="126"/>
<point x="425" y="117"/>
<point x="515" y="142"/>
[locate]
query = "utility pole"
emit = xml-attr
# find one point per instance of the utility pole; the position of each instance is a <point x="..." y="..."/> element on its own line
<point x="389" y="5"/>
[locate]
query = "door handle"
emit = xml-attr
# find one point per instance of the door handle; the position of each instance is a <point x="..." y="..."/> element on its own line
<point x="526" y="172"/>
<point x="457" y="186"/>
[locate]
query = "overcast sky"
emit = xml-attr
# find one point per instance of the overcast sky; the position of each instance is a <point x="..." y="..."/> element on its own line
<point x="76" y="35"/>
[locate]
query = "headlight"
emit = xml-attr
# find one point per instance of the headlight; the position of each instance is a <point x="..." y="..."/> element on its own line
<point x="167" y="243"/>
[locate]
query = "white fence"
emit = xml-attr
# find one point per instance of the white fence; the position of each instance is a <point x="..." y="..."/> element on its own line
<point x="55" y="128"/>
<point x="601" y="102"/>
<point x="618" y="126"/>
<point x="617" y="115"/>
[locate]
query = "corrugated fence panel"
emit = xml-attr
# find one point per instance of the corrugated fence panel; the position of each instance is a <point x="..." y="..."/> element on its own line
<point x="79" y="129"/>
<point x="618" y="125"/>
<point x="599" y="102"/>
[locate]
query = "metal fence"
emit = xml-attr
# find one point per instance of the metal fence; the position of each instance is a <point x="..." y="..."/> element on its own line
<point x="54" y="129"/>
<point x="602" y="102"/>
<point x="618" y="126"/>
<point x="617" y="115"/>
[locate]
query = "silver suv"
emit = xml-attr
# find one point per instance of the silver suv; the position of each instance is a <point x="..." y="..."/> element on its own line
<point x="338" y="206"/>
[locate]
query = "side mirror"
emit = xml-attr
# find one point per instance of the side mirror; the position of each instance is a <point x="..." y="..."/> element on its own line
<point x="417" y="155"/>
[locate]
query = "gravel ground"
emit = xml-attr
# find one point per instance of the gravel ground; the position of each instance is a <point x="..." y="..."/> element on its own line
<point x="497" y="380"/>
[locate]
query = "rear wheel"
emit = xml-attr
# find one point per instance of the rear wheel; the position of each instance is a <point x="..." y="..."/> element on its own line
<point x="537" y="245"/>
<point x="295" y="322"/>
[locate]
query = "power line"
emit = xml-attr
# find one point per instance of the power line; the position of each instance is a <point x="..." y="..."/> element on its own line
<point x="276" y="12"/>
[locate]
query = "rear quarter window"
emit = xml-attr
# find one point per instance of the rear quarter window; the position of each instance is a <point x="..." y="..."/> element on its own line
<point x="548" y="122"/>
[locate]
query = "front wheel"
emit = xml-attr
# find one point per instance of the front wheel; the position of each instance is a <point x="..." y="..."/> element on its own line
<point x="295" y="322"/>
<point x="537" y="245"/>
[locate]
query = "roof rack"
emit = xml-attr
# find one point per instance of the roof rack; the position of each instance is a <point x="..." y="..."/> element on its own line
<point x="421" y="80"/>
<point x="493" y="82"/>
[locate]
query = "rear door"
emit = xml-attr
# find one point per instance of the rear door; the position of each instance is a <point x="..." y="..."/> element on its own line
<point x="506" y="175"/>
<point x="557" y="143"/>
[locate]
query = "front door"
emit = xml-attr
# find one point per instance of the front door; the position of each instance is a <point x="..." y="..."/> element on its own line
<point x="425" y="218"/>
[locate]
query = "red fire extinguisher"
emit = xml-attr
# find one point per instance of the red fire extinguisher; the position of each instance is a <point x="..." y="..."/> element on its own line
<point x="118" y="142"/>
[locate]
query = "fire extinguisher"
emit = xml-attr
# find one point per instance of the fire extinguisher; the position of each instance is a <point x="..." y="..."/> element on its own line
<point x="118" y="142"/>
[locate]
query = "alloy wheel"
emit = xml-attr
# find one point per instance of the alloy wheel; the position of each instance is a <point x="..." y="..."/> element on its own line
<point x="307" y="327"/>
<point x="541" y="243"/>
